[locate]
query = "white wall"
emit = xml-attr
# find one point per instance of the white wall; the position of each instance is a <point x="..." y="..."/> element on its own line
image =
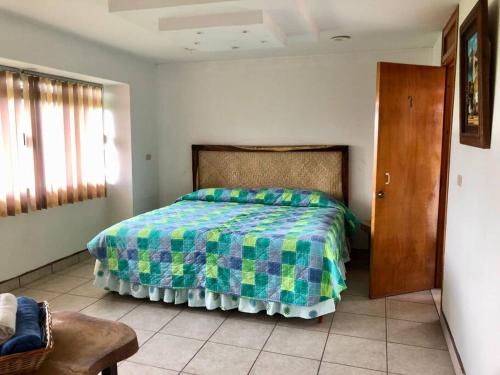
<point x="471" y="290"/>
<point x="327" y="99"/>
<point x="30" y="241"/>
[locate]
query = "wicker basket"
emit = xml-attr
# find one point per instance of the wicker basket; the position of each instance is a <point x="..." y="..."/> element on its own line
<point x="22" y="363"/>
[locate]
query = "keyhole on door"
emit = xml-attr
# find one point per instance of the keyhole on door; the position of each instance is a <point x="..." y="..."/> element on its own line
<point x="410" y="101"/>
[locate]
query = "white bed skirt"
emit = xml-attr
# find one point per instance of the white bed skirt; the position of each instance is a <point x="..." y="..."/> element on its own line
<point x="205" y="298"/>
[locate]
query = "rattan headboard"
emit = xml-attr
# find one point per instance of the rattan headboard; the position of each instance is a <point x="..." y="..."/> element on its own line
<point x="323" y="168"/>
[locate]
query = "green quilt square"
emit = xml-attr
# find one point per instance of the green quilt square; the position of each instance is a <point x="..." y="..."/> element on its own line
<point x="211" y="283"/>
<point x="261" y="280"/>
<point x="123" y="265"/>
<point x="248" y="277"/>
<point x="248" y="265"/>
<point x="289" y="244"/>
<point x="287" y="297"/>
<point x="142" y="243"/>
<point x="110" y="241"/>
<point x="303" y="246"/>
<point x="189" y="280"/>
<point x="287" y="283"/>
<point x="155" y="268"/>
<point x="188" y="269"/>
<point x="247" y="290"/>
<point x="189" y="235"/>
<point x="326" y="285"/>
<point x="287" y="270"/>
<point x="177" y="258"/>
<point x="176" y="245"/>
<point x="144" y="255"/>
<point x="212" y="247"/>
<point x="224" y="275"/>
<point x="288" y="257"/>
<point x="213" y="236"/>
<point x="250" y="240"/>
<point x="113" y="264"/>
<point x="178" y="281"/>
<point x="211" y="259"/>
<point x="177" y="269"/>
<point x="211" y="270"/>
<point x="301" y="287"/>
<point x="145" y="278"/>
<point x="248" y="252"/>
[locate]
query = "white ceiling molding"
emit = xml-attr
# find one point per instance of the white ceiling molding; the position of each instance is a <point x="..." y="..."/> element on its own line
<point x="247" y="30"/>
<point x="248" y="18"/>
<point x="304" y="8"/>
<point x="126" y="5"/>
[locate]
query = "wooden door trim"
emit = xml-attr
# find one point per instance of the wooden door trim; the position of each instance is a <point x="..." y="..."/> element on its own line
<point x="448" y="59"/>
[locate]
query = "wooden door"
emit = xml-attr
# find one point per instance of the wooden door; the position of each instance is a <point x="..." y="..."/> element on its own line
<point x="409" y="127"/>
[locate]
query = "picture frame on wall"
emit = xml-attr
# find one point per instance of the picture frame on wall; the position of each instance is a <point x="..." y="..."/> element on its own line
<point x="475" y="115"/>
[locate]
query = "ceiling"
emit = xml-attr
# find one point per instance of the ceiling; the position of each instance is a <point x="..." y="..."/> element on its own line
<point x="190" y="30"/>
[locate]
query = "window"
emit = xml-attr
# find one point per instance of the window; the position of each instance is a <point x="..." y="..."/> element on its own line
<point x="51" y="142"/>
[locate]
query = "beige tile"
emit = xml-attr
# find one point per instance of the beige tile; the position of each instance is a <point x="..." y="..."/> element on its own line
<point x="89" y="290"/>
<point x="260" y="317"/>
<point x="358" y="282"/>
<point x="38" y="295"/>
<point x="131" y="368"/>
<point x="216" y="359"/>
<point x="362" y="305"/>
<point x="245" y="334"/>
<point x="111" y="307"/>
<point x="417" y="297"/>
<point x="143" y="336"/>
<point x="68" y="302"/>
<point x="298" y="342"/>
<point x="355" y="351"/>
<point x="151" y="316"/>
<point x="35" y="275"/>
<point x="312" y="324"/>
<point x="336" y="369"/>
<point x="195" y="324"/>
<point x="64" y="263"/>
<point x="80" y="270"/>
<point x="278" y="364"/>
<point x="411" y="360"/>
<point x="57" y="283"/>
<point x="365" y="326"/>
<point x="416" y="312"/>
<point x="428" y="335"/>
<point x="170" y="352"/>
<point x="7" y="286"/>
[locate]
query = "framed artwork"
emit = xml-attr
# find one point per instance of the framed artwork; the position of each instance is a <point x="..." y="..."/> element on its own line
<point x="475" y="115"/>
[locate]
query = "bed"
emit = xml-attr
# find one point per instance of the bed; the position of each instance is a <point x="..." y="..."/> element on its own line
<point x="265" y="228"/>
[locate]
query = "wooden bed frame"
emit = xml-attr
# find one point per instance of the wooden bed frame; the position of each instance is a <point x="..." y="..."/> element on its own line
<point x="322" y="167"/>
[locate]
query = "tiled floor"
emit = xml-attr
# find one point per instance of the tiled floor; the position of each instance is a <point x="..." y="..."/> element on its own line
<point x="396" y="335"/>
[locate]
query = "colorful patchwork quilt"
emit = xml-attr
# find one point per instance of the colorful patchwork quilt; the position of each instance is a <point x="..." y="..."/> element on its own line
<point x="278" y="245"/>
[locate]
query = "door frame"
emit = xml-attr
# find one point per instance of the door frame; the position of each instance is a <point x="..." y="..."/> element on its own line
<point x="448" y="60"/>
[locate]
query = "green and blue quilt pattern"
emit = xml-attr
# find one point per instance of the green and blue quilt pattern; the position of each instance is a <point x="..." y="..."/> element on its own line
<point x="276" y="245"/>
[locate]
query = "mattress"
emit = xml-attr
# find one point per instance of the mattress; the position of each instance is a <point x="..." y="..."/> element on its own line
<point x="273" y="249"/>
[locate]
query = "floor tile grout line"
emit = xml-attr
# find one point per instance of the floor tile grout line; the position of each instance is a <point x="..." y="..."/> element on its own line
<point x="386" y="340"/>
<point x="326" y="342"/>
<point x="263" y="346"/>
<point x="205" y="343"/>
<point x="358" y="367"/>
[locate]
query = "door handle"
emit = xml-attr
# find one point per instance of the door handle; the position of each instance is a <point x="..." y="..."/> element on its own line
<point x="380" y="194"/>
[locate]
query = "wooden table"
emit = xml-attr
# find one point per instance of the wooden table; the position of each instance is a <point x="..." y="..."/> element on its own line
<point x="86" y="346"/>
